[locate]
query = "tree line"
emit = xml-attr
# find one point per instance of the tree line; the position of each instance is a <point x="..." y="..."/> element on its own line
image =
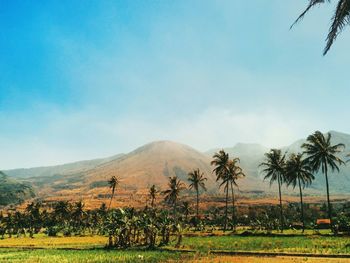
<point x="155" y="225"/>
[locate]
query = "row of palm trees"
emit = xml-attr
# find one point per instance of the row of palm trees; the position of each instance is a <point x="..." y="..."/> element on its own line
<point x="298" y="170"/>
<point x="227" y="172"/>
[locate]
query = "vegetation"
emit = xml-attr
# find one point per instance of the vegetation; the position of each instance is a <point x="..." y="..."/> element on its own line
<point x="12" y="191"/>
<point x="152" y="194"/>
<point x="234" y="173"/>
<point x="298" y="172"/>
<point x="173" y="192"/>
<point x="96" y="255"/>
<point x="275" y="243"/>
<point x="322" y="155"/>
<point x="340" y="19"/>
<point x="197" y="181"/>
<point x="221" y="161"/>
<point x="113" y="184"/>
<point x="135" y="231"/>
<point x="275" y="171"/>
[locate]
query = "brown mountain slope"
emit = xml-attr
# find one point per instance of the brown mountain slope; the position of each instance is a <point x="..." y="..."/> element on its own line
<point x="150" y="164"/>
<point x="153" y="164"/>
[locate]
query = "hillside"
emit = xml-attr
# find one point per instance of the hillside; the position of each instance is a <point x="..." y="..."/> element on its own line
<point x="68" y="168"/>
<point x="12" y="191"/>
<point x="153" y="163"/>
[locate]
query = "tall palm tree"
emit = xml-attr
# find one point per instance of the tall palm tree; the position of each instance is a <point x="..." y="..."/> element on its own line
<point x="173" y="192"/>
<point x="221" y="170"/>
<point x="235" y="172"/>
<point x="274" y="169"/>
<point x="298" y="172"/>
<point x="322" y="155"/>
<point x="153" y="194"/>
<point x="113" y="184"/>
<point x="197" y="180"/>
<point x="186" y="209"/>
<point x="340" y="19"/>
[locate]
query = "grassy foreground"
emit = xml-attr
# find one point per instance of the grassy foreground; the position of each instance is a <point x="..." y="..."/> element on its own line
<point x="91" y="249"/>
<point x="75" y="256"/>
<point x="311" y="244"/>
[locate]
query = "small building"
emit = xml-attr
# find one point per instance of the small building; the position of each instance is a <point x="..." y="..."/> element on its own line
<point x="323" y="223"/>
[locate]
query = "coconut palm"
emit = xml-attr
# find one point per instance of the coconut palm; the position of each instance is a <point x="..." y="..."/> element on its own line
<point x="274" y="169"/>
<point x="153" y="194"/>
<point x="298" y="172"/>
<point x="235" y="172"/>
<point x="197" y="180"/>
<point x="340" y="19"/>
<point x="322" y="155"/>
<point x="221" y="170"/>
<point x="113" y="184"/>
<point x="186" y="209"/>
<point x="173" y="192"/>
<point x="77" y="215"/>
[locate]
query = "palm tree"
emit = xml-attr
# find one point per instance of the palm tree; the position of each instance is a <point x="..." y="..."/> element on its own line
<point x="298" y="172"/>
<point x="275" y="171"/>
<point x="321" y="154"/>
<point x="186" y="209"/>
<point x="221" y="163"/>
<point x="340" y="19"/>
<point x="197" y="180"/>
<point x="172" y="194"/>
<point x="77" y="216"/>
<point x="113" y="184"/>
<point x="152" y="194"/>
<point x="234" y="173"/>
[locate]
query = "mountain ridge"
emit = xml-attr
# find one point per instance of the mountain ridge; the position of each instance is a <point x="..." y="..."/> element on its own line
<point x="154" y="162"/>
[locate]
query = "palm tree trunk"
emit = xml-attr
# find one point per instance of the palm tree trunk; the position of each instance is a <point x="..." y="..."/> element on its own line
<point x="225" y="224"/>
<point x="233" y="208"/>
<point x="328" y="200"/>
<point x="301" y="205"/>
<point x="281" y="208"/>
<point x="197" y="204"/>
<point x="152" y="202"/>
<point x="110" y="202"/>
<point x="174" y="212"/>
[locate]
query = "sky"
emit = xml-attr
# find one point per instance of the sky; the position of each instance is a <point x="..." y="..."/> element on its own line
<point x="87" y="79"/>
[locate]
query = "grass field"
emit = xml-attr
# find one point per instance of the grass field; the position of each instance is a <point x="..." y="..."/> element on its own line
<point x="91" y="249"/>
<point x="96" y="255"/>
<point x="288" y="244"/>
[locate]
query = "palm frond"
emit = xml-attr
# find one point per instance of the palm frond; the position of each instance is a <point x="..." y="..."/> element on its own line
<point x="340" y="19"/>
<point x="311" y="4"/>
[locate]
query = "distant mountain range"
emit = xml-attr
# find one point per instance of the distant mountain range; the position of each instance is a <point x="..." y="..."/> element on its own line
<point x="153" y="163"/>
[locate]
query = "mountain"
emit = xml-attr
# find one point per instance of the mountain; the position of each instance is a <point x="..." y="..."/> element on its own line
<point x="153" y="163"/>
<point x="68" y="168"/>
<point x="12" y="191"/>
<point x="150" y="164"/>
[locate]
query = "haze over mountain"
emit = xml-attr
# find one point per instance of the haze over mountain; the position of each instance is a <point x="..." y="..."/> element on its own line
<point x="153" y="163"/>
<point x="68" y="168"/>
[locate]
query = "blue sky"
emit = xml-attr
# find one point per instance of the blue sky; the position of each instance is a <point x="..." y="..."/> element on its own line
<point x="86" y="79"/>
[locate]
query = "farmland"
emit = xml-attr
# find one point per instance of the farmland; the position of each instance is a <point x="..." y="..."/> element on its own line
<point x="196" y="247"/>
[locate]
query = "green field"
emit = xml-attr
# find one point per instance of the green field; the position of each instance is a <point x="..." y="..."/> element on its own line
<point x="97" y="255"/>
<point x="289" y="244"/>
<point x="91" y="248"/>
